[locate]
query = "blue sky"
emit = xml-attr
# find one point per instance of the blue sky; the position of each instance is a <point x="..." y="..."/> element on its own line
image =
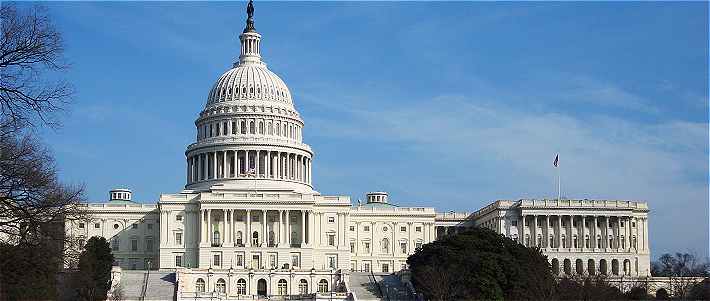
<point x="450" y="105"/>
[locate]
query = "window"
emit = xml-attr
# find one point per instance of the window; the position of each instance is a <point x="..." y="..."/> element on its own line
<point x="178" y="260"/>
<point x="552" y="241"/>
<point x="333" y="262"/>
<point x="200" y="285"/>
<point x="352" y="247"/>
<point x="403" y="229"/>
<point x="239" y="238"/>
<point x="255" y="239"/>
<point x="366" y="228"/>
<point x="385" y="246"/>
<point x="178" y="217"/>
<point x="97" y="225"/>
<point x="514" y="223"/>
<point x="331" y="219"/>
<point x="221" y="286"/>
<point x="418" y="245"/>
<point x="134" y="226"/>
<point x="367" y="247"/>
<point x="241" y="287"/>
<point x="384" y="229"/>
<point x="150" y="226"/>
<point x="215" y="238"/>
<point x="81" y="225"/>
<point x="352" y="228"/>
<point x="115" y="226"/>
<point x="295" y="260"/>
<point x="385" y="268"/>
<point x="178" y="238"/>
<point x="272" y="261"/>
<point x="633" y="224"/>
<point x="331" y="239"/>
<point x="240" y="260"/>
<point x="303" y="287"/>
<point x="216" y="260"/>
<point x="134" y="245"/>
<point x="323" y="286"/>
<point x="622" y="224"/>
<point x="418" y="229"/>
<point x="234" y="126"/>
<point x="114" y="245"/>
<point x="403" y="247"/>
<point x="149" y="244"/>
<point x="282" y="287"/>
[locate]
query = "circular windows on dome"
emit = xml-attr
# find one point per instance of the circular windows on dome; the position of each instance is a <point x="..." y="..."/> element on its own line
<point x="115" y="226"/>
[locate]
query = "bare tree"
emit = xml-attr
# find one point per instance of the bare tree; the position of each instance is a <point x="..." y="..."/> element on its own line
<point x="31" y="50"/>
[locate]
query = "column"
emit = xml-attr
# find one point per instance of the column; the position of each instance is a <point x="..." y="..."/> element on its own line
<point x="522" y="227"/>
<point x="595" y="229"/>
<point x="214" y="165"/>
<point x="618" y="235"/>
<point x="569" y="232"/>
<point x="209" y="226"/>
<point x="247" y="235"/>
<point x="410" y="243"/>
<point x="279" y="238"/>
<point x="203" y="166"/>
<point x="303" y="228"/>
<point x="231" y="226"/>
<point x="288" y="228"/>
<point x="310" y="228"/>
<point x="267" y="166"/>
<point x="559" y="231"/>
<point x="257" y="163"/>
<point x="265" y="235"/>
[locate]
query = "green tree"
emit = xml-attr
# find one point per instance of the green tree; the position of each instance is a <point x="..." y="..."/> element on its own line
<point x="480" y="264"/>
<point x="28" y="271"/>
<point x="94" y="277"/>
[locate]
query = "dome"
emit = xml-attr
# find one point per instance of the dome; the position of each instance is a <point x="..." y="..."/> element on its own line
<point x="249" y="82"/>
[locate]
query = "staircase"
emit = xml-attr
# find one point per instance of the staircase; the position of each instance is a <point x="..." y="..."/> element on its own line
<point x="368" y="286"/>
<point x="147" y="286"/>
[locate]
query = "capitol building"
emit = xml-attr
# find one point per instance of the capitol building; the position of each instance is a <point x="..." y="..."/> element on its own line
<point x="250" y="223"/>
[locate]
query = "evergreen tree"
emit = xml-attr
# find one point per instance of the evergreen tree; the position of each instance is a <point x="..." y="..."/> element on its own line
<point x="94" y="277"/>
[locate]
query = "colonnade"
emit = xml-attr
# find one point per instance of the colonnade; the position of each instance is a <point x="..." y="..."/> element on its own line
<point x="274" y="228"/>
<point x="254" y="163"/>
<point x="591" y="266"/>
<point x="617" y="233"/>
<point x="279" y="126"/>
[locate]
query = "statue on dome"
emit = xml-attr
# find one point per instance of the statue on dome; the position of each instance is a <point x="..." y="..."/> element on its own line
<point x="250" y="17"/>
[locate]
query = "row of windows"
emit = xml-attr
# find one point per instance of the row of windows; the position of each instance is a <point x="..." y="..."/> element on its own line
<point x="256" y="262"/>
<point x="619" y="242"/>
<point x="385" y="246"/>
<point x="149" y="226"/>
<point x="282" y="286"/>
<point x="244" y="92"/>
<point x="261" y="127"/>
<point x="575" y="223"/>
<point x="366" y="228"/>
<point x="116" y="244"/>
<point x="593" y="267"/>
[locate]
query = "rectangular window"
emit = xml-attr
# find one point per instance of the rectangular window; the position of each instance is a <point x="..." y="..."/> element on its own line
<point x="135" y="226"/>
<point x="331" y="219"/>
<point x="332" y="262"/>
<point x="295" y="260"/>
<point x="272" y="261"/>
<point x="366" y="266"/>
<point x="216" y="260"/>
<point x="367" y="247"/>
<point x="178" y="238"/>
<point x="81" y="225"/>
<point x="403" y="247"/>
<point x="150" y="226"/>
<point x="366" y="228"/>
<point x="352" y="228"/>
<point x="352" y="247"/>
<point x="240" y="260"/>
<point x="403" y="229"/>
<point x="178" y="260"/>
<point x="514" y="223"/>
<point x="418" y="229"/>
<point x="149" y="244"/>
<point x="114" y="245"/>
<point x="418" y="245"/>
<point x="178" y="217"/>
<point x="622" y="224"/>
<point x="331" y="239"/>
<point x="385" y="268"/>
<point x="97" y="225"/>
<point x="134" y="245"/>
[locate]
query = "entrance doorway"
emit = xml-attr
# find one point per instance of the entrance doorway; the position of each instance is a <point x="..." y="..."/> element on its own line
<point x="261" y="287"/>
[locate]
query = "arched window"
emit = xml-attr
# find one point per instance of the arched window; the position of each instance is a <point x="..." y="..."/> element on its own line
<point x="215" y="238"/>
<point x="574" y="241"/>
<point x="272" y="241"/>
<point x="282" y="287"/>
<point x="284" y="130"/>
<point x="261" y="127"/>
<point x="243" y="126"/>
<point x="252" y="127"/>
<point x="241" y="287"/>
<point x="385" y="246"/>
<point x="303" y="287"/>
<point x="586" y="241"/>
<point x="270" y="127"/>
<point x="323" y="286"/>
<point x="255" y="238"/>
<point x="200" y="285"/>
<point x="221" y="286"/>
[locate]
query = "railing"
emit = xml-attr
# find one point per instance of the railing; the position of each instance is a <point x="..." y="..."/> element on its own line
<point x="144" y="289"/>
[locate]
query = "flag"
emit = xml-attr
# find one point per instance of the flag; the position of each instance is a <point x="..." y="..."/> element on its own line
<point x="557" y="160"/>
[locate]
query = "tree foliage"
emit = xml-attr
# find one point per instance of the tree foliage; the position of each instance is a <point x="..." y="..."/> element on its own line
<point x="680" y="265"/>
<point x="30" y="273"/>
<point x="480" y="264"/>
<point x="94" y="277"/>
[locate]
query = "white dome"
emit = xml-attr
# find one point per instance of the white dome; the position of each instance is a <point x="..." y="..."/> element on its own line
<point x="248" y="82"/>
